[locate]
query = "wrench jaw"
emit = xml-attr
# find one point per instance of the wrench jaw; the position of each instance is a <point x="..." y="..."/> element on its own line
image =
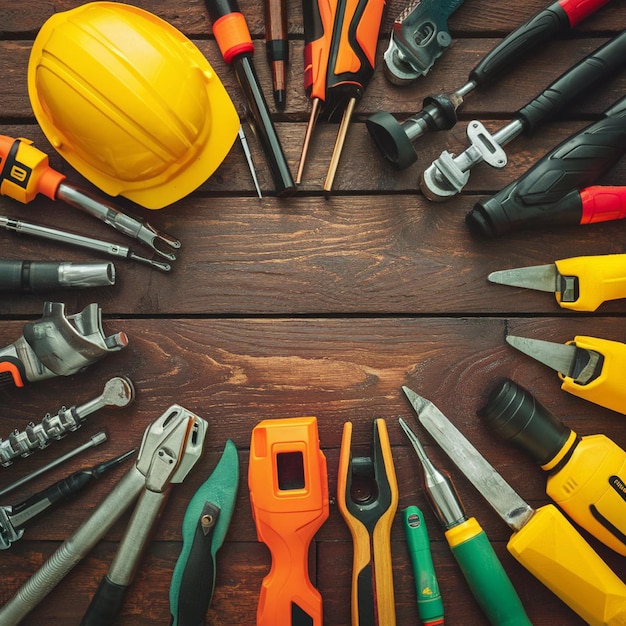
<point x="171" y="446"/>
<point x="61" y="345"/>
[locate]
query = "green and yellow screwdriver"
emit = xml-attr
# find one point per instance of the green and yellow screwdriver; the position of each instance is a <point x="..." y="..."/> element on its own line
<point x="470" y="546"/>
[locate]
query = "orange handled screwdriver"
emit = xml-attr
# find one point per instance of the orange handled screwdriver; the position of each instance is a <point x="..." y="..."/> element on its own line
<point x="340" y="52"/>
<point x="318" y="18"/>
<point x="25" y="173"/>
<point x="351" y="65"/>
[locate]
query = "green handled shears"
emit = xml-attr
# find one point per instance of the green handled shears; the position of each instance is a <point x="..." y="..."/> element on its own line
<point x="204" y="528"/>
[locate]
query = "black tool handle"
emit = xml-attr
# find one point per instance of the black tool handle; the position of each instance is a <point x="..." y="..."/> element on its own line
<point x="197" y="580"/>
<point x="61" y="491"/>
<point x="574" y="83"/>
<point x="106" y="604"/>
<point x="536" y="196"/>
<point x="557" y="18"/>
<point x="28" y="275"/>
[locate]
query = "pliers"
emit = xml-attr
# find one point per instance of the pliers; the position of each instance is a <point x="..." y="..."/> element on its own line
<point x="590" y="368"/>
<point x="171" y="446"/>
<point x="579" y="283"/>
<point x="205" y="525"/>
<point x="367" y="496"/>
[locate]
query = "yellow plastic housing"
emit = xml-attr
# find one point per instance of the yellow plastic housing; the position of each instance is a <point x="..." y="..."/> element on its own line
<point x="607" y="389"/>
<point x="591" y="488"/>
<point x="130" y="102"/>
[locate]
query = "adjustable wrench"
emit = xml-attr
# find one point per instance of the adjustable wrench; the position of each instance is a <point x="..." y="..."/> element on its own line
<point x="171" y="446"/>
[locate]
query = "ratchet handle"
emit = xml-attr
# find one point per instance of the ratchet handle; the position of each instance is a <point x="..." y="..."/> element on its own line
<point x="485" y="575"/>
<point x="574" y="83"/>
<point x="551" y="549"/>
<point x="557" y="18"/>
<point x="106" y="604"/>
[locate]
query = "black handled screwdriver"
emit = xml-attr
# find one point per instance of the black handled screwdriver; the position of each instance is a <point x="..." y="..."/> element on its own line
<point x="233" y="38"/>
<point x="14" y="519"/>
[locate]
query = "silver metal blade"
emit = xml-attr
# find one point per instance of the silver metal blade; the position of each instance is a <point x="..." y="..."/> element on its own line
<point x="559" y="356"/>
<point x="505" y="501"/>
<point x="538" y="277"/>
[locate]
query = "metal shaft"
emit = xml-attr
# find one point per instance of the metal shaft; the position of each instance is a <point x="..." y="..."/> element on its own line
<point x="94" y="441"/>
<point x="337" y="150"/>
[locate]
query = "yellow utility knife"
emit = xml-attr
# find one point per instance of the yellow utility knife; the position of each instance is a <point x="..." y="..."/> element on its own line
<point x="543" y="540"/>
<point x="580" y="283"/>
<point x="590" y="368"/>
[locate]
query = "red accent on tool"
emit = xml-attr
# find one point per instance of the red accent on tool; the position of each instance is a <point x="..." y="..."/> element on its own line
<point x="602" y="204"/>
<point x="578" y="10"/>
<point x="233" y="36"/>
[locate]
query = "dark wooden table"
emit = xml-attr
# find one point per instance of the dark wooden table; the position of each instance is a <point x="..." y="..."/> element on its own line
<point x="313" y="306"/>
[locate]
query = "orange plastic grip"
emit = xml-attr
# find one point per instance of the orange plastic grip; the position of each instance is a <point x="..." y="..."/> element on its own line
<point x="353" y="53"/>
<point x="232" y="36"/>
<point x="13" y="369"/>
<point x="288" y="484"/>
<point x="24" y="171"/>
<point x="318" y="16"/>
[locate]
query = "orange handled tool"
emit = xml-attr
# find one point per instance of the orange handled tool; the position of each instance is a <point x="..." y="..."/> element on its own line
<point x="340" y="47"/>
<point x="288" y="485"/>
<point x="25" y="173"/>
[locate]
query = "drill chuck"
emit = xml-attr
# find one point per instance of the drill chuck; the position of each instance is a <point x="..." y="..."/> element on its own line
<point x="518" y="417"/>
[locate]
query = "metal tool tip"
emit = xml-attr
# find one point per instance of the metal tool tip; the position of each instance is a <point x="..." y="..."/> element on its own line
<point x="495" y="277"/>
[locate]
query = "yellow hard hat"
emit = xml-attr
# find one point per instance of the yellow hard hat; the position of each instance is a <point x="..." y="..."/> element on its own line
<point x="130" y="102"/>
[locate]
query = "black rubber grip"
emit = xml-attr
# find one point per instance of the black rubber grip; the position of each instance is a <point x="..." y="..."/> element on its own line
<point x="28" y="275"/>
<point x="105" y="605"/>
<point x="538" y="29"/>
<point x="574" y="83"/>
<point x="543" y="193"/>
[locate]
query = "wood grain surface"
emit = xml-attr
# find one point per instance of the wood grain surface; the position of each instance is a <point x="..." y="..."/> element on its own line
<point x="312" y="306"/>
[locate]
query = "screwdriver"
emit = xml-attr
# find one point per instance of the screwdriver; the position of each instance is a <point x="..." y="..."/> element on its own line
<point x="318" y="21"/>
<point x="346" y="60"/>
<point x="14" y="519"/>
<point x="25" y="173"/>
<point x="470" y="546"/>
<point x="235" y="43"/>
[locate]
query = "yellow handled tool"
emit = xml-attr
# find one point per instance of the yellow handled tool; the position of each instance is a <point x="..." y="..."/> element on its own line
<point x="580" y="283"/>
<point x="543" y="541"/>
<point x="590" y="368"/>
<point x="369" y="517"/>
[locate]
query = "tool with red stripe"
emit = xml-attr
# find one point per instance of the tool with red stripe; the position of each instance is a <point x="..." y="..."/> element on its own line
<point x="233" y="38"/>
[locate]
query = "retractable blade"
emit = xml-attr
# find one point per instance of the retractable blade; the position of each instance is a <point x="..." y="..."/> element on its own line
<point x="589" y="367"/>
<point x="544" y="541"/>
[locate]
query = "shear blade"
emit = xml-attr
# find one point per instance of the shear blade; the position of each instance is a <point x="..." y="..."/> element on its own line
<point x="560" y="357"/>
<point x="538" y="277"/>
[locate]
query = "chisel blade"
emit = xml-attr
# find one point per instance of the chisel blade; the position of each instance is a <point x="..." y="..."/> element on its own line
<point x="537" y="277"/>
<point x="501" y="496"/>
